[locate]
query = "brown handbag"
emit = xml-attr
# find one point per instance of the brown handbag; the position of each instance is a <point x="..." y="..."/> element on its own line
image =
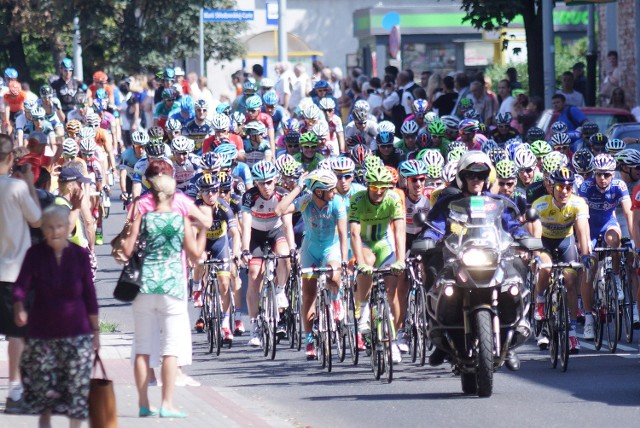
<point x="117" y="244"/>
<point x="102" y="399"/>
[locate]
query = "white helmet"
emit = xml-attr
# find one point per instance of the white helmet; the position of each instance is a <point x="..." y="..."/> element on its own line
<point x="410" y="127"/>
<point x="524" y="158"/>
<point x="362" y="105"/>
<point x="327" y="103"/>
<point x="312" y="112"/>
<point x="88" y="145"/>
<point x="386" y="126"/>
<point x="432" y="157"/>
<point x="69" y="148"/>
<point x="87" y="132"/>
<point x="182" y="144"/>
<point x="473" y="160"/>
<point x="321" y="129"/>
<point x="449" y="171"/>
<point x="220" y="122"/>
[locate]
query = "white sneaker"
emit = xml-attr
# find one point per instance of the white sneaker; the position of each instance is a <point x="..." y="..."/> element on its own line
<point x="256" y="337"/>
<point x="401" y="340"/>
<point x="15" y="391"/>
<point x="281" y="298"/>
<point x="588" y="329"/>
<point x="543" y="342"/>
<point x="363" y="322"/>
<point x="636" y="318"/>
<point x="396" y="357"/>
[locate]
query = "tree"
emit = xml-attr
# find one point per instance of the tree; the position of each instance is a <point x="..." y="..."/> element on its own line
<point x="496" y="15"/>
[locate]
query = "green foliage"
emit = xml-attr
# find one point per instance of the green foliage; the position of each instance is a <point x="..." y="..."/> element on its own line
<point x="498" y="72"/>
<point x="109" y="327"/>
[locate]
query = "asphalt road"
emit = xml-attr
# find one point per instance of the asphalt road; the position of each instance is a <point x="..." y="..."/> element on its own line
<point x="599" y="389"/>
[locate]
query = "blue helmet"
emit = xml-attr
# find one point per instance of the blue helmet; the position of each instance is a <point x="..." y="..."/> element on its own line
<point x="264" y="170"/>
<point x="10" y="73"/>
<point x="187" y="105"/>
<point x="223" y="108"/>
<point x="321" y="84"/>
<point x="270" y="98"/>
<point x="412" y="168"/>
<point x="67" y="64"/>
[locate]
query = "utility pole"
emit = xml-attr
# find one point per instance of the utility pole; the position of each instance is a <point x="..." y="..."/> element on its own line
<point x="592" y="55"/>
<point x="549" y="51"/>
<point x="283" y="48"/>
<point x="77" y="50"/>
<point x="201" y="48"/>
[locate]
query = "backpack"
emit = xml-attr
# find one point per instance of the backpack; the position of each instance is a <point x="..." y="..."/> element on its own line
<point x="398" y="114"/>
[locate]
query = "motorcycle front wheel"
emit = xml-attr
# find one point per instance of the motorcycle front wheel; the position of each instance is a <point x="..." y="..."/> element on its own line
<point x="484" y="336"/>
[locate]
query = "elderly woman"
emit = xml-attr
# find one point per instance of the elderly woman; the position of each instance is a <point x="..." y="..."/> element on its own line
<point x="62" y="324"/>
<point x="161" y="304"/>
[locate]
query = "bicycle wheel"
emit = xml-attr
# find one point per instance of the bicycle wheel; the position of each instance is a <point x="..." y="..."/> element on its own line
<point x="424" y="343"/>
<point x="410" y="325"/>
<point x="600" y="312"/>
<point x="351" y="324"/>
<point x="562" y="315"/>
<point x="376" y="355"/>
<point x="341" y="333"/>
<point x="207" y="316"/>
<point x="613" y="314"/>
<point x="552" y="325"/>
<point x="263" y="319"/>
<point x="232" y="316"/>
<point x="387" y="341"/>
<point x="216" y="305"/>
<point x="272" y="319"/>
<point x="627" y="305"/>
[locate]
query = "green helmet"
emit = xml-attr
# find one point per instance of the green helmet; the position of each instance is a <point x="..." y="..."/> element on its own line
<point x="292" y="169"/>
<point x="437" y="128"/>
<point x="378" y="175"/>
<point x="434" y="171"/>
<point x="540" y="148"/>
<point x="506" y="169"/>
<point x="372" y="161"/>
<point x="551" y="163"/>
<point x="309" y="139"/>
<point x="455" y="154"/>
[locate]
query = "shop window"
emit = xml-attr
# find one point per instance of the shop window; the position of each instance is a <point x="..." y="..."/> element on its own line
<point x="438" y="58"/>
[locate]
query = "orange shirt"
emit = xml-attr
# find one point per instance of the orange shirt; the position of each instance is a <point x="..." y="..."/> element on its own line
<point x="15" y="103"/>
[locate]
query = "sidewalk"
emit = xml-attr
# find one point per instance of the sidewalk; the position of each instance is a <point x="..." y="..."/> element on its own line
<point x="206" y="406"/>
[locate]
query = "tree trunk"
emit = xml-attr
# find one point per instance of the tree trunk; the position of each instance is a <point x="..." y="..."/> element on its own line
<point x="532" y="18"/>
<point x="13" y="45"/>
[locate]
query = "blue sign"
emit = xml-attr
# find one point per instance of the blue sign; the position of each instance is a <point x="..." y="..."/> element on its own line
<point x="224" y="15"/>
<point x="272" y="12"/>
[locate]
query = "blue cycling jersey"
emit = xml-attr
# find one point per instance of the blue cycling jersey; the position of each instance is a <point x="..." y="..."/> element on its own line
<point x="128" y="160"/>
<point x="180" y="118"/>
<point x="320" y="223"/>
<point x="243" y="171"/>
<point x="602" y="204"/>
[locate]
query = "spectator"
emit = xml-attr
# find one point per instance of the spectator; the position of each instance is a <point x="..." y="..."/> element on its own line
<point x="573" y="97"/>
<point x="284" y="83"/>
<point x="63" y="327"/>
<point x="29" y="94"/>
<point x="519" y="112"/>
<point x="483" y="103"/>
<point x="301" y="86"/>
<point x="334" y="80"/>
<point x="445" y="103"/>
<point x="192" y="79"/>
<point x="506" y="99"/>
<point x="19" y="208"/>
<point x="579" y="80"/>
<point x="129" y="110"/>
<point x="611" y="77"/>
<point x="317" y="67"/>
<point x="419" y="93"/>
<point x="618" y="99"/>
<point x="462" y="88"/>
<point x="258" y="73"/>
<point x="206" y="94"/>
<point x="570" y="115"/>
<point x="425" y="76"/>
<point x="392" y="70"/>
<point x="398" y="104"/>
<point x="185" y="88"/>
<point x="148" y="104"/>
<point x="434" y="88"/>
<point x="512" y="76"/>
<point x="375" y="91"/>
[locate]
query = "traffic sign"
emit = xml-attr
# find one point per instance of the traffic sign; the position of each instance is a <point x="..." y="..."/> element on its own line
<point x="225" y="15"/>
<point x="394" y="42"/>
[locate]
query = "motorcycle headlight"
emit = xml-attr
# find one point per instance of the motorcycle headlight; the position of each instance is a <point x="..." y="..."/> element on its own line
<point x="475" y="257"/>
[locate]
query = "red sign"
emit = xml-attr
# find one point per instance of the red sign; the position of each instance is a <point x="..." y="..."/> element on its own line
<point x="394" y="42"/>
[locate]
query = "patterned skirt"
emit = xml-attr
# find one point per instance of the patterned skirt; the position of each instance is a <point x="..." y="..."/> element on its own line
<point x="55" y="376"/>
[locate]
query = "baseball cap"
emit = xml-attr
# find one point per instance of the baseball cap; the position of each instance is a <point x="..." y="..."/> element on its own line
<point x="72" y="174"/>
<point x="38" y="137"/>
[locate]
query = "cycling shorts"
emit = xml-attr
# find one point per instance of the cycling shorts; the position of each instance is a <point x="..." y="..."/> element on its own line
<point x="561" y="250"/>
<point x="384" y="250"/>
<point x="595" y="232"/>
<point x="260" y="237"/>
<point x="313" y="255"/>
<point x="219" y="249"/>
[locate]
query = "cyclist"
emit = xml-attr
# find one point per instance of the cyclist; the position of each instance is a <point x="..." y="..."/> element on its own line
<point x="409" y="131"/>
<point x="560" y="213"/>
<point x="238" y="171"/>
<point x="254" y="114"/>
<point x="503" y="131"/>
<point x="540" y="188"/>
<point x="221" y="125"/>
<point x="53" y="110"/>
<point x="534" y="134"/>
<point x="336" y="130"/>
<point x="386" y="149"/>
<point x="375" y="243"/>
<point x="438" y="130"/>
<point x="256" y="149"/>
<point x="290" y="173"/>
<point x="128" y="160"/>
<point x="587" y="130"/>
<point x="271" y="107"/>
<point x="287" y="126"/>
<point x="468" y="129"/>
<point x="614" y="146"/>
<point x="321" y="246"/>
<point x="603" y="193"/>
<point x="262" y="225"/>
<point x="186" y="113"/>
<point x="561" y="142"/>
<point x="66" y="87"/>
<point x="172" y="128"/>
<point x="199" y="128"/>
<point x="40" y="124"/>
<point x="361" y="125"/>
<point x="321" y="131"/>
<point x="249" y="88"/>
<point x="154" y="149"/>
<point x="185" y="164"/>
<point x="308" y="157"/>
<point x="582" y="162"/>
<point x="95" y="174"/>
<point x="506" y="182"/>
<point x="221" y="235"/>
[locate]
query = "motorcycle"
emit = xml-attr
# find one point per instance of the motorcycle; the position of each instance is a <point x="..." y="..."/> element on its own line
<point x="477" y="304"/>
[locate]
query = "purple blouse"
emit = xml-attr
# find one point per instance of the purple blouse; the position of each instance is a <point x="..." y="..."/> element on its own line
<point x="63" y="295"/>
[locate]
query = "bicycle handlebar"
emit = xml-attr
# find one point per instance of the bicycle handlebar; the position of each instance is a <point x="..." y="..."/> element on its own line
<point x="609" y="249"/>
<point x="562" y="265"/>
<point x="325" y="269"/>
<point x="215" y="261"/>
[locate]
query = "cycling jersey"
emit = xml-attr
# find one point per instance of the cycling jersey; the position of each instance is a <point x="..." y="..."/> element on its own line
<point x="94" y="170"/>
<point x="266" y="119"/>
<point x="223" y="221"/>
<point x="198" y="132"/>
<point x="277" y="117"/>
<point x="602" y="204"/>
<point x="76" y="236"/>
<point x="128" y="160"/>
<point x="182" y="119"/>
<point x="140" y="168"/>
<point x="320" y="223"/>
<point x="106" y="120"/>
<point x="535" y="191"/>
<point x="52" y="117"/>
<point x="346" y="199"/>
<point x="306" y="164"/>
<point x="262" y="211"/>
<point x="243" y="172"/>
<point x="67" y="92"/>
<point x="375" y="220"/>
<point x="256" y="154"/>
<point x="184" y="173"/>
<point x="500" y="138"/>
<point x="557" y="222"/>
<point x="29" y="127"/>
<point x="162" y="112"/>
<point x="422" y="205"/>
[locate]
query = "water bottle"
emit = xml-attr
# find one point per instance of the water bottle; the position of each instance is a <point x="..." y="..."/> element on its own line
<point x="110" y="180"/>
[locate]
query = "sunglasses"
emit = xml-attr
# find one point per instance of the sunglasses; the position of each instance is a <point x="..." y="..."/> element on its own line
<point x="180" y="153"/>
<point x="410" y="136"/>
<point x="502" y="126"/>
<point x="304" y="146"/>
<point x="328" y="110"/>
<point x="506" y="183"/>
<point x="566" y="187"/>
<point x="252" y="110"/>
<point x="379" y="188"/>
<point x="264" y="183"/>
<point x="209" y="191"/>
<point x="604" y="174"/>
<point x="418" y="179"/>
<point x="344" y="177"/>
<point x="562" y="148"/>
<point x="385" y="146"/>
<point x="361" y="123"/>
<point x="293" y="146"/>
<point x="527" y="170"/>
<point x="470" y="175"/>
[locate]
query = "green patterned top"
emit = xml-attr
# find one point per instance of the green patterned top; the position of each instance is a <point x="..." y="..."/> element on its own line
<point x="162" y="270"/>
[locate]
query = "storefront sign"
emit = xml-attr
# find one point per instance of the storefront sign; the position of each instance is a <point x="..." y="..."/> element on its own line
<point x="224" y="15"/>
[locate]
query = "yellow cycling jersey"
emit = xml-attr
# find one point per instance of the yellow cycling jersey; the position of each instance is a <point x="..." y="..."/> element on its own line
<point x="557" y="223"/>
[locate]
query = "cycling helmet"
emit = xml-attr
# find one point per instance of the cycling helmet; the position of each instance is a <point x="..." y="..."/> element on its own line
<point x="321" y="129"/>
<point x="254" y="102"/>
<point x="69" y="148"/>
<point x="534" y="134"/>
<point x="100" y="77"/>
<point x="155" y="148"/>
<point x="290" y="124"/>
<point x="93" y="120"/>
<point x="473" y="160"/>
<point x="362" y="106"/>
<point x="420" y="107"/>
<point x="552" y="162"/>
<point x="384" y="138"/>
<point x="563" y="176"/>
<point x="327" y="104"/>
<point x="220" y="122"/>
<point x="139" y="138"/>
<point x="255" y="128"/>
<point x="211" y="161"/>
<point x="559" y="127"/>
<point x="412" y="168"/>
<point x="38" y="113"/>
<point x="312" y="112"/>
<point x="87" y="132"/>
<point x="202" y="104"/>
<point x="292" y="168"/>
<point x="512" y="147"/>
<point x="67" y="64"/>
<point x="264" y="170"/>
<point x="46" y="91"/>
<point x="560" y="139"/>
<point x="497" y="155"/>
<point x="372" y="161"/>
<point x="378" y="174"/>
<point x="424" y="140"/>
<point x="155" y="133"/>
<point x="430" y="116"/>
<point x="472" y="114"/>
<point x="356" y="140"/>
<point x="468" y="126"/>
<point x="266" y="83"/>
<point x="228" y="150"/>
<point x="270" y="98"/>
<point x="282" y="159"/>
<point x="466" y="103"/>
<point x="590" y="128"/>
<point x="169" y="74"/>
<point x="437" y="128"/>
<point x="208" y="181"/>
<point x="394" y="174"/>
<point x="604" y="162"/>
<point x="223" y="108"/>
<point x="506" y="168"/>
<point x="456" y="154"/>
<point x="453" y="145"/>
<point x="449" y="171"/>
<point x="342" y="165"/>
<point x="598" y="139"/>
<point x="583" y="161"/>
<point x="88" y="146"/>
<point x="321" y="84"/>
<point x="360" y="115"/>
<point x="73" y="127"/>
<point x="451" y="122"/>
<point x="322" y="179"/>
<point x="187" y="105"/>
<point x="628" y="157"/>
<point x="29" y="105"/>
<point x="239" y="118"/>
<point x="168" y="94"/>
<point x="410" y="128"/>
<point x="540" y="148"/>
<point x="225" y="179"/>
<point x="614" y="146"/>
<point x="359" y="153"/>
<point x="386" y="126"/>
<point x="503" y="118"/>
<point x="101" y="94"/>
<point x="488" y="146"/>
<point x="309" y="139"/>
<point x="431" y="157"/>
<point x="524" y="158"/>
<point x="249" y="87"/>
<point x="434" y="172"/>
<point x="181" y="144"/>
<point x="173" y="125"/>
<point x="292" y="137"/>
